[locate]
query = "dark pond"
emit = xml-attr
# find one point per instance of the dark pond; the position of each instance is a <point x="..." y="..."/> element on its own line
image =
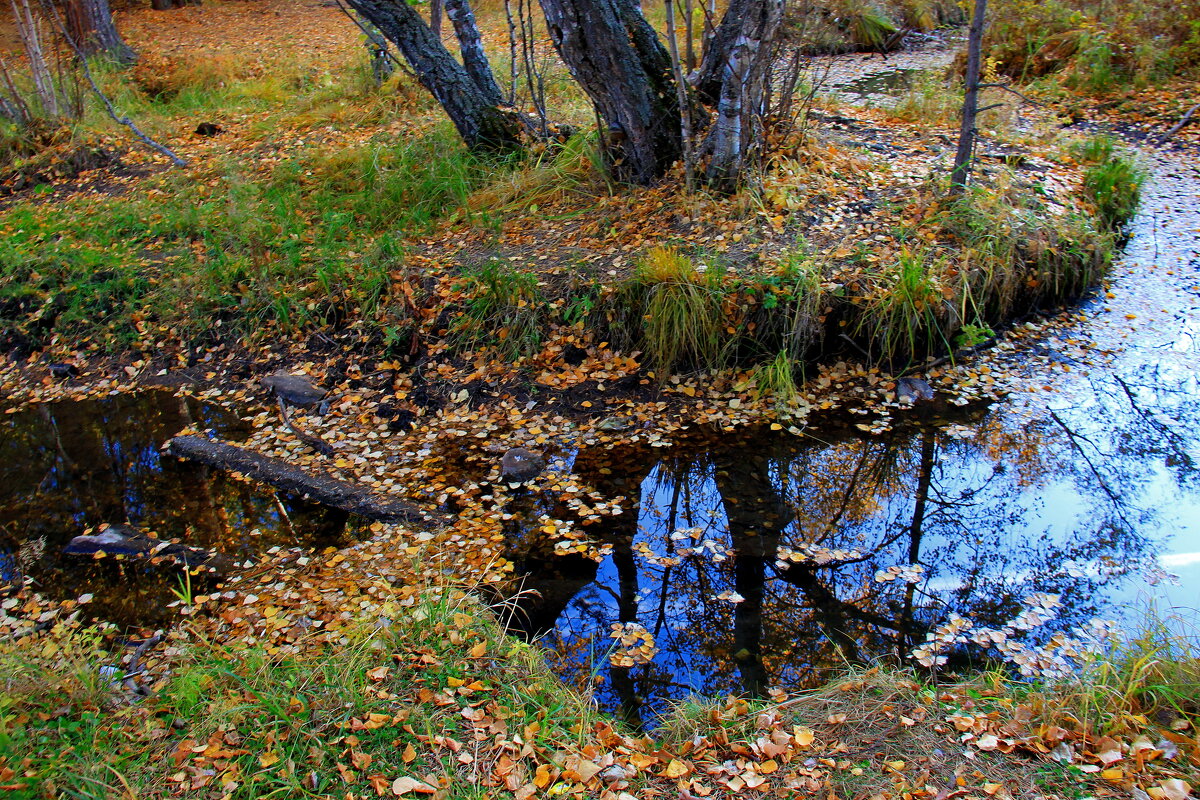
<point x="755" y="560"/>
<point x="72" y="465"/>
<point x="884" y="82"/>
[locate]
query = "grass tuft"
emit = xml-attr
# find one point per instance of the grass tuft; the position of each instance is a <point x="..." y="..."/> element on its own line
<point x="681" y="310"/>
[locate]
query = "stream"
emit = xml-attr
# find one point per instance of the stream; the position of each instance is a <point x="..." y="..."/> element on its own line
<point x="757" y="559"/>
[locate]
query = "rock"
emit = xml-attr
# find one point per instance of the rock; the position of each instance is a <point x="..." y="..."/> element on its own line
<point x="296" y="390"/>
<point x="123" y="540"/>
<point x="519" y="465"/>
<point x="911" y="390"/>
<point x="209" y="129"/>
<point x="60" y="372"/>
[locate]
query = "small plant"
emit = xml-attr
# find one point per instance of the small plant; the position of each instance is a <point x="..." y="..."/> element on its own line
<point x="777" y="378"/>
<point x="972" y="335"/>
<point x="503" y="309"/>
<point x="681" y="310"/>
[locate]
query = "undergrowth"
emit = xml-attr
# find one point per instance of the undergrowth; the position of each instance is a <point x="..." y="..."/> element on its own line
<point x="1094" y="46"/>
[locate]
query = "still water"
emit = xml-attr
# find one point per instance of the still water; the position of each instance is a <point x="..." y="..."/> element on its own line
<point x="73" y="465"/>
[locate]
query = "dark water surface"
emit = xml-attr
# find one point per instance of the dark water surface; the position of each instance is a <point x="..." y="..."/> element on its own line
<point x="71" y="465"/>
<point x="752" y="560"/>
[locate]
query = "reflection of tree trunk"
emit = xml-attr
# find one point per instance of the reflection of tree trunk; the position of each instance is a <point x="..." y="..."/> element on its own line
<point x="924" y="482"/>
<point x="622" y="679"/>
<point x="757" y="516"/>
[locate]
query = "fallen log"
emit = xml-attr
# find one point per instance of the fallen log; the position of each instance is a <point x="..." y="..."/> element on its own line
<point x="326" y="491"/>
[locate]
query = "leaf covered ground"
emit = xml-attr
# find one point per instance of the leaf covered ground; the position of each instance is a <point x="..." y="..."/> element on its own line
<point x="291" y="244"/>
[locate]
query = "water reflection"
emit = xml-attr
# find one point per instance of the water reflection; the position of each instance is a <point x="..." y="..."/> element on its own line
<point x="753" y="560"/>
<point x="71" y="465"/>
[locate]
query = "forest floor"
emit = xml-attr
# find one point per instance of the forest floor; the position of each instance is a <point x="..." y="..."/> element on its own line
<point x="368" y="671"/>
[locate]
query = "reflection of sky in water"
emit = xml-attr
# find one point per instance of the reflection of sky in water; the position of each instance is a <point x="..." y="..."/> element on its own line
<point x="1090" y="491"/>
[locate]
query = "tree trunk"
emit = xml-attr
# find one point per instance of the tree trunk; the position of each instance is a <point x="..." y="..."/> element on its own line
<point x="30" y="32"/>
<point x="90" y="24"/>
<point x="471" y="46"/>
<point x="716" y="52"/>
<point x="966" y="134"/>
<point x="739" y="110"/>
<point x="476" y="115"/>
<point x="435" y="18"/>
<point x="614" y="53"/>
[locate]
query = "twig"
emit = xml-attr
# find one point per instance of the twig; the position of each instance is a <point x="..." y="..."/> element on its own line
<point x="1178" y="125"/>
<point x="1011" y="90"/>
<point x="112" y="112"/>
<point x="320" y="445"/>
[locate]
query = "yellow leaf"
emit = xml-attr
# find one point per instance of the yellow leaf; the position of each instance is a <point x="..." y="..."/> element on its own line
<point x="1113" y="774"/>
<point x="479" y="650"/>
<point x="267" y="759"/>
<point x="896" y="765"/>
<point x="677" y="769"/>
<point x="409" y="754"/>
<point x="803" y="737"/>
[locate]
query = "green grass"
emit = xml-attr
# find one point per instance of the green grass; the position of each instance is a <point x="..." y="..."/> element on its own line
<point x="255" y="252"/>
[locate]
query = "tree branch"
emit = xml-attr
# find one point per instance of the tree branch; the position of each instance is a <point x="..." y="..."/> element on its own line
<point x="52" y="12"/>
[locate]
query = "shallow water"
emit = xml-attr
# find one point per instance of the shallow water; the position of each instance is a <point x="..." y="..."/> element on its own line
<point x="73" y="465"/>
<point x="752" y="560"/>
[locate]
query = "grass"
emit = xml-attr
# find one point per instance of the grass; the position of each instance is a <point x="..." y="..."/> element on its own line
<point x="58" y="721"/>
<point x="1149" y="676"/>
<point x="931" y="100"/>
<point x="1112" y="181"/>
<point x="503" y="309"/>
<point x="280" y="251"/>
<point x="427" y="686"/>
<point x="678" y="308"/>
<point x="259" y="724"/>
<point x="906" y="314"/>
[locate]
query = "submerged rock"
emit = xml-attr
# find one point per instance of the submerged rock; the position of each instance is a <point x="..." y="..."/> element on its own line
<point x="911" y="390"/>
<point x="519" y="465"/>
